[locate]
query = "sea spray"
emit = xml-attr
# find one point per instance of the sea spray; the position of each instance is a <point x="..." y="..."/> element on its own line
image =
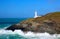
<point x="27" y="35"/>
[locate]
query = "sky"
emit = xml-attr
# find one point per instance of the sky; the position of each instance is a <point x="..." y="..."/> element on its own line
<point x="26" y="8"/>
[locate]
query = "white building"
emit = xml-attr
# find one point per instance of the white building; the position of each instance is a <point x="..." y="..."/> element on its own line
<point x="36" y="15"/>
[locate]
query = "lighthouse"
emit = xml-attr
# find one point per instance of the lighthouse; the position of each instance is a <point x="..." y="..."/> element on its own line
<point x="36" y="15"/>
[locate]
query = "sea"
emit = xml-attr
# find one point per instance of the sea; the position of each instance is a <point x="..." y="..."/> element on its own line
<point x="19" y="34"/>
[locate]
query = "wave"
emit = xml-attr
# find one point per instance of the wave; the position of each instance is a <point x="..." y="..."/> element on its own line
<point x="30" y="35"/>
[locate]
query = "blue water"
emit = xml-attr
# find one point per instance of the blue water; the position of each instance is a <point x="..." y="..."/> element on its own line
<point x="11" y="20"/>
<point x="18" y="34"/>
<point x="5" y="22"/>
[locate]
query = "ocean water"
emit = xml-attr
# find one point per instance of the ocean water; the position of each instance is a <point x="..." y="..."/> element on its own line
<point x="18" y="34"/>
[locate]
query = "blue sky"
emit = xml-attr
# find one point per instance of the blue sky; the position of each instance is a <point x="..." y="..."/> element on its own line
<point x="26" y="8"/>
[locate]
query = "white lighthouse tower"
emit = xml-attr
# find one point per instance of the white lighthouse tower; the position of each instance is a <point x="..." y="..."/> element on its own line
<point x="35" y="16"/>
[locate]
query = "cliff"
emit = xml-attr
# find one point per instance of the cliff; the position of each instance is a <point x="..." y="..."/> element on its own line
<point x="48" y="23"/>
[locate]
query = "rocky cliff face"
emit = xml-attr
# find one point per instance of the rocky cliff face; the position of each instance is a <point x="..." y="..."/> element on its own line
<point x="48" y="23"/>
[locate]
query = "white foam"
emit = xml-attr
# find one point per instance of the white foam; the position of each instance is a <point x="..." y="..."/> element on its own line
<point x="31" y="34"/>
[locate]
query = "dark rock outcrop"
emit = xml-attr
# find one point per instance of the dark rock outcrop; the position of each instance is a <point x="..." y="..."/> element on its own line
<point x="49" y="23"/>
<point x="14" y="27"/>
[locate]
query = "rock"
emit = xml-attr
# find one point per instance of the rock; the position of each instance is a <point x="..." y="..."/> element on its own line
<point x="16" y="27"/>
<point x="49" y="23"/>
